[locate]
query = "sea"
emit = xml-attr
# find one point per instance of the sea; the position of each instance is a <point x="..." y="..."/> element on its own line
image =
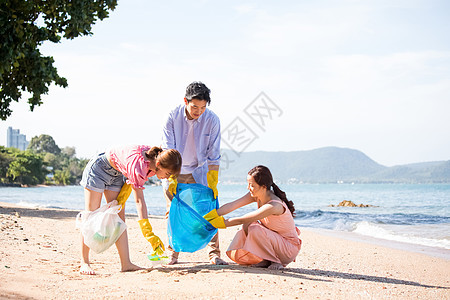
<point x="416" y="216"/>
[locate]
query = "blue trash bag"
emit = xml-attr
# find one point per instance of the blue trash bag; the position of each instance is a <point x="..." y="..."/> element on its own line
<point x="188" y="231"/>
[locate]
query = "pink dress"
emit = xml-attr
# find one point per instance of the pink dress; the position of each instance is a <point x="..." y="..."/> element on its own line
<point x="274" y="238"/>
<point x="130" y="161"/>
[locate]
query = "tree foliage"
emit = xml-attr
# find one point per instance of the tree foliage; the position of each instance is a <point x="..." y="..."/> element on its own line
<point x="5" y="160"/>
<point x="43" y="162"/>
<point x="26" y="168"/>
<point x="69" y="151"/>
<point x="44" y="143"/>
<point x="63" y="177"/>
<point x="24" y="26"/>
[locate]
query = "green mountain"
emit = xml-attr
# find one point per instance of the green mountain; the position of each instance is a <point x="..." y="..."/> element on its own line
<point x="328" y="165"/>
<point x="430" y="172"/>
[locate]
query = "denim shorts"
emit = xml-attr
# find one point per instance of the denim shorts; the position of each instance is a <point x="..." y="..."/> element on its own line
<point x="99" y="175"/>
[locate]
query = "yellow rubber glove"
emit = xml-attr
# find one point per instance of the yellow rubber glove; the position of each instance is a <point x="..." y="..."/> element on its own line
<point x="213" y="178"/>
<point x="172" y="185"/>
<point x="154" y="240"/>
<point x="218" y="222"/>
<point x="211" y="215"/>
<point x="159" y="251"/>
<point x="124" y="194"/>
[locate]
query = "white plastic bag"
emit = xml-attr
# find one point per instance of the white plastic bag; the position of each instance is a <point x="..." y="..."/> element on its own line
<point x="102" y="227"/>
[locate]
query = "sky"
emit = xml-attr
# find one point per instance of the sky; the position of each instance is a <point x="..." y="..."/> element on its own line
<point x="284" y="76"/>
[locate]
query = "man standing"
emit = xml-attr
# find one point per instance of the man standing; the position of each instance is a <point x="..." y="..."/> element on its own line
<point x="194" y="131"/>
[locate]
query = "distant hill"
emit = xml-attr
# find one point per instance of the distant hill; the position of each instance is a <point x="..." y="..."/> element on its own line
<point x="329" y="165"/>
<point x="431" y="172"/>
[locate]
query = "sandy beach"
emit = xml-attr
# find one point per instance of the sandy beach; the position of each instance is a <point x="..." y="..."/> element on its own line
<point x="39" y="254"/>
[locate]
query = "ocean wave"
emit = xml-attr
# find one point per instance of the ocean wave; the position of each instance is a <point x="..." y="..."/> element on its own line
<point x="38" y="205"/>
<point x="324" y="219"/>
<point x="30" y="204"/>
<point x="335" y="220"/>
<point x="418" y="229"/>
<point x="377" y="231"/>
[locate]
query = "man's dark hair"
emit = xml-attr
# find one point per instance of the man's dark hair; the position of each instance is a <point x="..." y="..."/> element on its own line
<point x="198" y="90"/>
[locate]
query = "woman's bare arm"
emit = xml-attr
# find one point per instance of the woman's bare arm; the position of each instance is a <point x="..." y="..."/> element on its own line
<point x="229" y="207"/>
<point x="141" y="206"/>
<point x="266" y="210"/>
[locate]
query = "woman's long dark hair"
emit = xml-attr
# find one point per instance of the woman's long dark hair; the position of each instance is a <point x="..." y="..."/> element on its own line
<point x="263" y="177"/>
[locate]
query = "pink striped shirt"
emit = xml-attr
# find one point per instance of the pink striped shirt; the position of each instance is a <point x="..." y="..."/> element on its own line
<point x="130" y="161"/>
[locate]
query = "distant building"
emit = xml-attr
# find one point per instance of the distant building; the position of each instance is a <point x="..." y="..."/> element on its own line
<point x="16" y="140"/>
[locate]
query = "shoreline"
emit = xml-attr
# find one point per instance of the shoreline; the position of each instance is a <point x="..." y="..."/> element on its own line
<point x="410" y="247"/>
<point x="39" y="257"/>
<point x="438" y="252"/>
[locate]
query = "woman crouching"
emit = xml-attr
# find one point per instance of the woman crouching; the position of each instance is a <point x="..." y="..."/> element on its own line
<point x="269" y="237"/>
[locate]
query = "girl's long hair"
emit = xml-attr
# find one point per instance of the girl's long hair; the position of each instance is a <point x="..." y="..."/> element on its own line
<point x="263" y="177"/>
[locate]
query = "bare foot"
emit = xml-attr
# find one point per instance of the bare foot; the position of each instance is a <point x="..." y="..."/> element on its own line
<point x="173" y="261"/>
<point x="275" y="266"/>
<point x="85" y="269"/>
<point x="218" y="261"/>
<point x="263" y="264"/>
<point x="131" y="268"/>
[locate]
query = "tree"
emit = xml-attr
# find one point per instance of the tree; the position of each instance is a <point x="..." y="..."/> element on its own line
<point x="51" y="161"/>
<point x="44" y="143"/>
<point x="5" y="159"/>
<point x="24" y="26"/>
<point x="63" y="177"/>
<point x="69" y="152"/>
<point x="76" y="168"/>
<point x="44" y="161"/>
<point x="26" y="168"/>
